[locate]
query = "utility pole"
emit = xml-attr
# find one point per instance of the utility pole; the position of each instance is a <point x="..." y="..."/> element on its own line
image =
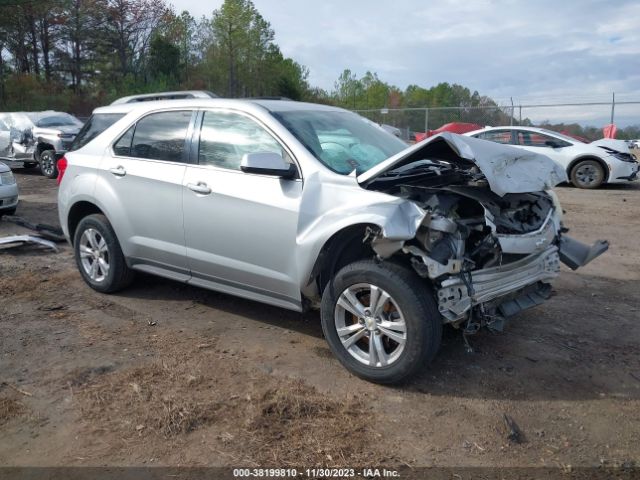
<point x="512" y="112"/>
<point x="520" y="121"/>
<point x="613" y="106"/>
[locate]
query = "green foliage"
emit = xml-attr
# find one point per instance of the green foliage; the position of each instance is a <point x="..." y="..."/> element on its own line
<point x="164" y="60"/>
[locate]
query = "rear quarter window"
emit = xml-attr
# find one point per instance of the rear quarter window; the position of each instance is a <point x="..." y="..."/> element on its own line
<point x="96" y="124"/>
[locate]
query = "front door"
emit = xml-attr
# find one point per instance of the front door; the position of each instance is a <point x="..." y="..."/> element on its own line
<point x="240" y="228"/>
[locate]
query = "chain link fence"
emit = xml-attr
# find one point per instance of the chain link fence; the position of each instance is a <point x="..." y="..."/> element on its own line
<point x="594" y="114"/>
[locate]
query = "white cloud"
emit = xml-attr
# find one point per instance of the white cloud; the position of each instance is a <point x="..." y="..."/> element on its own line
<point x="547" y="50"/>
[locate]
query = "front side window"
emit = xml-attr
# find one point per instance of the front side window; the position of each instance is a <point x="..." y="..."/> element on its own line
<point x="497" y="136"/>
<point x="158" y="136"/>
<point x="342" y="141"/>
<point x="225" y="138"/>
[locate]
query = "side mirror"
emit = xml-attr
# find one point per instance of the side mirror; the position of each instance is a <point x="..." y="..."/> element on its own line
<point x="268" y="163"/>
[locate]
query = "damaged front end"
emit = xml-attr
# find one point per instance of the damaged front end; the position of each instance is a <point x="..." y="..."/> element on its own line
<point x="491" y="239"/>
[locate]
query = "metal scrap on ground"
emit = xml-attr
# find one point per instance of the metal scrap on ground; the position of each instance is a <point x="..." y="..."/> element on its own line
<point x="49" y="232"/>
<point x="14" y="241"/>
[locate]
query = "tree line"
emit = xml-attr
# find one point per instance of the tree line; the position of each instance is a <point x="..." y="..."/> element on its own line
<point x="74" y="55"/>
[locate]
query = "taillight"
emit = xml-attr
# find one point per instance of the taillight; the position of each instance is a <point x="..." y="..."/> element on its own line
<point x="62" y="166"/>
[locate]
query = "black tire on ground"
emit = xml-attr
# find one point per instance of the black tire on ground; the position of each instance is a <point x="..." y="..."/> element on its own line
<point x="119" y="275"/>
<point x="587" y="174"/>
<point x="414" y="299"/>
<point x="11" y="211"/>
<point x="48" y="164"/>
<point x="29" y="165"/>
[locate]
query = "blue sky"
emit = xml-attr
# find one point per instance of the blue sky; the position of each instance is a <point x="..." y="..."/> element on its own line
<point x="534" y="51"/>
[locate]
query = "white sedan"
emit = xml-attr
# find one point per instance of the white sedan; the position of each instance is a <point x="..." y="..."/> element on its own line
<point x="588" y="165"/>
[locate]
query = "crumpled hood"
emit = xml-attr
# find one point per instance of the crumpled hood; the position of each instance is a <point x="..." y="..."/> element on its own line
<point x="507" y="169"/>
<point x="617" y="145"/>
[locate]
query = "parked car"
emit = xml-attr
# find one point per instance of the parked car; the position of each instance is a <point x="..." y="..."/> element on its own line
<point x="300" y="205"/>
<point x="454" y="127"/>
<point x="36" y="138"/>
<point x="8" y="191"/>
<point x="588" y="165"/>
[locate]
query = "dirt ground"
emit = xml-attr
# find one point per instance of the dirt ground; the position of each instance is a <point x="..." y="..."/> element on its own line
<point x="168" y="374"/>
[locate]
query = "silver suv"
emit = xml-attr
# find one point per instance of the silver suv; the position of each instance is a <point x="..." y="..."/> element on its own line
<point x="34" y="138"/>
<point x="301" y="206"/>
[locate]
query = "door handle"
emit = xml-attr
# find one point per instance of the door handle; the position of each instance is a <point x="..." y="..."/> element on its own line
<point x="200" y="188"/>
<point x="119" y="171"/>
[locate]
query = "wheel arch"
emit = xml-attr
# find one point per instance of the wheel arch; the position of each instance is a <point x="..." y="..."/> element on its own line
<point x="43" y="145"/>
<point x="603" y="164"/>
<point x="77" y="212"/>
<point x="341" y="248"/>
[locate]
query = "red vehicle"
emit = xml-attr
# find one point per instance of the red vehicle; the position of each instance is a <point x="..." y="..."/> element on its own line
<point x="454" y="127"/>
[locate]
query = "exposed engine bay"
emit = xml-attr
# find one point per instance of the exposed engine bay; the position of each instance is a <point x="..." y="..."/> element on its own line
<point x="488" y="256"/>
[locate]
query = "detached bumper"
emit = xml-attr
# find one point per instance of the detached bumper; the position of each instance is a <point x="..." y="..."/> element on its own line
<point x="455" y="299"/>
<point x="457" y="296"/>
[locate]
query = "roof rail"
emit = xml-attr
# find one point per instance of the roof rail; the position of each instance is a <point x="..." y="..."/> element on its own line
<point x="177" y="95"/>
<point x="269" y="98"/>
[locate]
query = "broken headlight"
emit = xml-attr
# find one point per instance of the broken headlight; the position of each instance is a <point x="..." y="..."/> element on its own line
<point x="624" y="157"/>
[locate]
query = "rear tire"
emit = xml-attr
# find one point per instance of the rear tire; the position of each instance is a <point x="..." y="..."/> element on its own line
<point x="99" y="257"/>
<point x="587" y="174"/>
<point x="396" y="336"/>
<point x="48" y="166"/>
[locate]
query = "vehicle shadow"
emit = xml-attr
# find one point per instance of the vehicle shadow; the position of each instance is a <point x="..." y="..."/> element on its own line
<point x="556" y="351"/>
<point x="149" y="287"/>
<point x="634" y="185"/>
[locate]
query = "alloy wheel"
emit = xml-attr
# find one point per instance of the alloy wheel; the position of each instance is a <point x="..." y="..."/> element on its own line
<point x="94" y="255"/>
<point x="370" y="325"/>
<point x="47" y="163"/>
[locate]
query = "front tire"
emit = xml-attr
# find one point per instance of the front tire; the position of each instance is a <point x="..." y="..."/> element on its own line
<point x="381" y="321"/>
<point x="10" y="211"/>
<point x="587" y="174"/>
<point x="48" y="166"/>
<point x="99" y="256"/>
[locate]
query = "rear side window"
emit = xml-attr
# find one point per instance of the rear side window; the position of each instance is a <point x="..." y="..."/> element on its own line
<point x="159" y="136"/>
<point x="96" y="124"/>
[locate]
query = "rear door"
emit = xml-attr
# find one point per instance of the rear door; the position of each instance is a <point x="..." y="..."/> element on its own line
<point x="144" y="174"/>
<point x="240" y="228"/>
